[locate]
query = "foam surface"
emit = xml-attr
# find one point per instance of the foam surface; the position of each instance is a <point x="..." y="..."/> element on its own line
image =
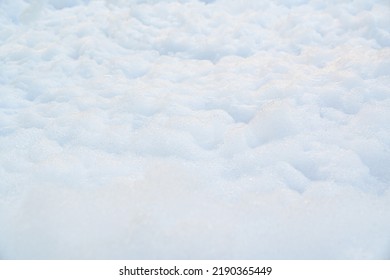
<point x="194" y="129"/>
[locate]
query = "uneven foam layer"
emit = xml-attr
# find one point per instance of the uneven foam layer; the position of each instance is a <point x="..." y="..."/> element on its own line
<point x="194" y="129"/>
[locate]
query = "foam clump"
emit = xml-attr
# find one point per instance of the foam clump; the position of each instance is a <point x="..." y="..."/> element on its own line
<point x="193" y="129"/>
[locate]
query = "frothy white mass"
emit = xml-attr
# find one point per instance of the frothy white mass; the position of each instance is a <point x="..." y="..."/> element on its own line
<point x="194" y="129"/>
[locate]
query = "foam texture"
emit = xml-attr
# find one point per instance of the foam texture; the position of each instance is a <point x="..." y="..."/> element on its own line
<point x="194" y="129"/>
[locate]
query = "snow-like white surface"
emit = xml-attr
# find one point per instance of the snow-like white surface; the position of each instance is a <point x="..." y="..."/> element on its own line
<point x="194" y="129"/>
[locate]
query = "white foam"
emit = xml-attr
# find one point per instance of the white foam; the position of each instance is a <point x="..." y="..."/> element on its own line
<point x="194" y="129"/>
